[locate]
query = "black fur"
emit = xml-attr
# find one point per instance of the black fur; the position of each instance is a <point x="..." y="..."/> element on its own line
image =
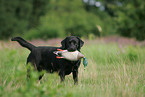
<point x="43" y="58"/>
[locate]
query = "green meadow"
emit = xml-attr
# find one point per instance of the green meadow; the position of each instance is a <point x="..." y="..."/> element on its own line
<point x="113" y="71"/>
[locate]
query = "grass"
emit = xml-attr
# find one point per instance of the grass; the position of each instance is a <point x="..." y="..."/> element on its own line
<point x="113" y="71"/>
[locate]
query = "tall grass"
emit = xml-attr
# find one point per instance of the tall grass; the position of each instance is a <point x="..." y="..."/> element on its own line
<point x="113" y="71"/>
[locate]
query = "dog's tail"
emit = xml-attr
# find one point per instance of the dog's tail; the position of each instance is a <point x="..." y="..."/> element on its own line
<point x="23" y="43"/>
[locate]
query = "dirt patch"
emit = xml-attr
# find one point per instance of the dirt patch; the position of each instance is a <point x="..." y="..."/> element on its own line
<point x="57" y="42"/>
<point x="118" y="40"/>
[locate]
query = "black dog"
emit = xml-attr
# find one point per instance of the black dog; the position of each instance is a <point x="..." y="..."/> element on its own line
<point x="43" y="58"/>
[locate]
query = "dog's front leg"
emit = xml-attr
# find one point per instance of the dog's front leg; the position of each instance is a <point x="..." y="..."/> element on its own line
<point x="62" y="75"/>
<point x="75" y="76"/>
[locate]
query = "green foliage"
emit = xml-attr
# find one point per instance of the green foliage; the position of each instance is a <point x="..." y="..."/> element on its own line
<point x="133" y="53"/>
<point x="131" y="20"/>
<point x="127" y="15"/>
<point x="18" y="16"/>
<point x="12" y="17"/>
<point x="43" y="32"/>
<point x="59" y="18"/>
<point x="67" y="21"/>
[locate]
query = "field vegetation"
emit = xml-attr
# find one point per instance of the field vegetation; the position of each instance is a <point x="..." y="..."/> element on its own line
<point x="113" y="71"/>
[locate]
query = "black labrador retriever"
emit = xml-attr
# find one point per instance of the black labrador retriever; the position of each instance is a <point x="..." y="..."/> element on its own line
<point x="43" y="58"/>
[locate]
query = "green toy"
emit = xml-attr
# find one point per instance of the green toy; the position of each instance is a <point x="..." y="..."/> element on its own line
<point x="85" y="62"/>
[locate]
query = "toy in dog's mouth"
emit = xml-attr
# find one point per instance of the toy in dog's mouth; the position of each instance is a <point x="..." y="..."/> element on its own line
<point x="71" y="56"/>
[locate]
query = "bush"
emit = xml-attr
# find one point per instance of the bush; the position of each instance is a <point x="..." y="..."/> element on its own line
<point x="19" y="16"/>
<point x="131" y="20"/>
<point x="43" y="33"/>
<point x="132" y="53"/>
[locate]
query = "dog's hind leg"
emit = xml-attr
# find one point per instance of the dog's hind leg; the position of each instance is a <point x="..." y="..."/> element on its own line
<point x="62" y="75"/>
<point x="29" y="70"/>
<point x="40" y="77"/>
<point x="28" y="74"/>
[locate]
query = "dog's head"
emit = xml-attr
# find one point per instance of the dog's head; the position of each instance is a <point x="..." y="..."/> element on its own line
<point x="72" y="43"/>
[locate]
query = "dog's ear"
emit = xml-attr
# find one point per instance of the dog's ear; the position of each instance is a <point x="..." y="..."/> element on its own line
<point x="63" y="43"/>
<point x="81" y="43"/>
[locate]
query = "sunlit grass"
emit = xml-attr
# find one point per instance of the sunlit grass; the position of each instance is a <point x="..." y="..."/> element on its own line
<point x="113" y="71"/>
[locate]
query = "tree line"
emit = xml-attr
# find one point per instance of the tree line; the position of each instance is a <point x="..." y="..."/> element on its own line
<point x="85" y="18"/>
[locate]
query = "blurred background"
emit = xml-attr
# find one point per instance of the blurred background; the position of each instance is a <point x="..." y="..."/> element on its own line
<point x="45" y="19"/>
